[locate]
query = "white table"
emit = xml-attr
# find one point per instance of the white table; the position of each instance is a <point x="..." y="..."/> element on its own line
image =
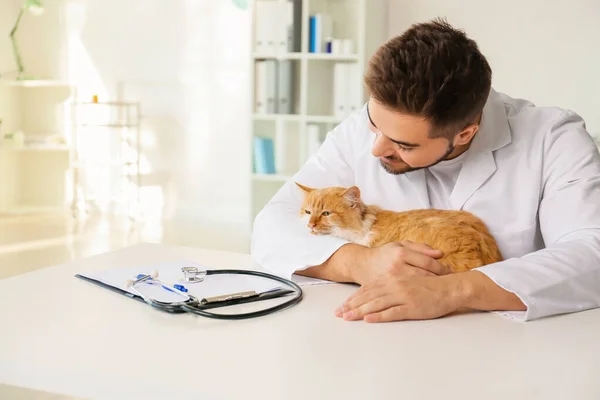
<point x="63" y="335"/>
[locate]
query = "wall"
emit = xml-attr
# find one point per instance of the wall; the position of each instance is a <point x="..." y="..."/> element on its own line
<point x="545" y="51"/>
<point x="188" y="63"/>
<point x="8" y="14"/>
<point x="38" y="39"/>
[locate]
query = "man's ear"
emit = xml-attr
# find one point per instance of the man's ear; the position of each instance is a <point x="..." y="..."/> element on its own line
<point x="352" y="195"/>
<point x="466" y="135"/>
<point x="305" y="188"/>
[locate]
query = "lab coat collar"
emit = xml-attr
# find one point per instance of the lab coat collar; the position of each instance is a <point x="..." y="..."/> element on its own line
<point x="494" y="131"/>
<point x="479" y="165"/>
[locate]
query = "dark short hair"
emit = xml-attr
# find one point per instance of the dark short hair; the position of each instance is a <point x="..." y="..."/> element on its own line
<point x="432" y="70"/>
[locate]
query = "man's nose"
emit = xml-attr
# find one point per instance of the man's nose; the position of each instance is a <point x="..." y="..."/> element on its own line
<point x="382" y="147"/>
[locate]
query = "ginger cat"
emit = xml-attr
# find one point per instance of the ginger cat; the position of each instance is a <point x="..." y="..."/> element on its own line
<point x="461" y="236"/>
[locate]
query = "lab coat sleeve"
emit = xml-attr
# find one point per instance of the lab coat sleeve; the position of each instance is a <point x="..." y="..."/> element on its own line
<point x="281" y="241"/>
<point x="563" y="277"/>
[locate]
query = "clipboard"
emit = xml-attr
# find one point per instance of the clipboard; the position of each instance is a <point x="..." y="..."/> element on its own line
<point x="209" y="297"/>
<point x="269" y="294"/>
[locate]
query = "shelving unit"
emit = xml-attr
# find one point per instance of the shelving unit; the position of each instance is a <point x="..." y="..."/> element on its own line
<point x="271" y="177"/>
<point x="35" y="176"/>
<point x="363" y="21"/>
<point x="307" y="56"/>
<point x="35" y="83"/>
<point x="111" y="149"/>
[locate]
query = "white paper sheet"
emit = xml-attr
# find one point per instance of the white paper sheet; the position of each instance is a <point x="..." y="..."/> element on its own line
<point x="306" y="281"/>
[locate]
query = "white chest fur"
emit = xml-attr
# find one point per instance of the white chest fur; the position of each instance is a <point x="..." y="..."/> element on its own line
<point x="354" y="237"/>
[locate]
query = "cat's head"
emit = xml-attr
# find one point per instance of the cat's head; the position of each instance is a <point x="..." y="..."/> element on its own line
<point x="330" y="209"/>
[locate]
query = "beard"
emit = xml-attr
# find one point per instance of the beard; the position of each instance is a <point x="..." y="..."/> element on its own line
<point x="407" y="168"/>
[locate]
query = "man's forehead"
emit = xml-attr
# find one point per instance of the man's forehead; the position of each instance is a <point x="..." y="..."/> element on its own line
<point x="396" y="125"/>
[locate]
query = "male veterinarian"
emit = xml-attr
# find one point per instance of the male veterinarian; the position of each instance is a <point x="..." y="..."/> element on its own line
<point x="434" y="134"/>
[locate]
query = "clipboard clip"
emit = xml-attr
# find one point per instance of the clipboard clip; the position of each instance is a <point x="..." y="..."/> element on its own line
<point x="228" y="297"/>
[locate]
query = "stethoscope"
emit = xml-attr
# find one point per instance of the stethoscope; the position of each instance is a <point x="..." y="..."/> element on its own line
<point x="192" y="304"/>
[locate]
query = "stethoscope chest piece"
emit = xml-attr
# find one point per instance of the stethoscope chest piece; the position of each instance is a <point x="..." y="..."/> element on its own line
<point x="192" y="275"/>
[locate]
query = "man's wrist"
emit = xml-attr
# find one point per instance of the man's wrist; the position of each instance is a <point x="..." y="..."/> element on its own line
<point x="461" y="289"/>
<point x="356" y="262"/>
<point x="475" y="290"/>
<point x="346" y="264"/>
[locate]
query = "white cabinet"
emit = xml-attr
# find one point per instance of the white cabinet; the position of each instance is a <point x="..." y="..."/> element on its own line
<point x="34" y="174"/>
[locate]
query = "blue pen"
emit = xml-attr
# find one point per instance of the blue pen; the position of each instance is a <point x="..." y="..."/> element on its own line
<point x="150" y="281"/>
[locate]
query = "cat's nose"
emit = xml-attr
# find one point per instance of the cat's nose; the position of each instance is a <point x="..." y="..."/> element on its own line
<point x="311" y="225"/>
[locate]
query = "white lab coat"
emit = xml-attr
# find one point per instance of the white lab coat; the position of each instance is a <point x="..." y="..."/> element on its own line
<point x="532" y="175"/>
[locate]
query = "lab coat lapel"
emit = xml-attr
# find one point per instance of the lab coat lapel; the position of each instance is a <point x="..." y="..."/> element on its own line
<point x="480" y="165"/>
<point x="475" y="171"/>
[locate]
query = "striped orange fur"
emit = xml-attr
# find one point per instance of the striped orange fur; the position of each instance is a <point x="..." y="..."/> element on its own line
<point x="461" y="236"/>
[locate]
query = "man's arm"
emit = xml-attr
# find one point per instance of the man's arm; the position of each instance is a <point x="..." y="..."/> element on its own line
<point x="562" y="278"/>
<point x="359" y="264"/>
<point x="565" y="276"/>
<point x="426" y="297"/>
<point x="478" y="292"/>
<point x="340" y="266"/>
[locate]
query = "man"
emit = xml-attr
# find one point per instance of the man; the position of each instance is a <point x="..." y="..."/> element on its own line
<point x="434" y="134"/>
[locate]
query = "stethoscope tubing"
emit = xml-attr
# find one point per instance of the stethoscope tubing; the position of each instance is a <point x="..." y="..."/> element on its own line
<point x="193" y="306"/>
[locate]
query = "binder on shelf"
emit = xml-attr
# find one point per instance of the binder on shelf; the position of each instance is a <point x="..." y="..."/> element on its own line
<point x="271" y="86"/>
<point x="270" y="156"/>
<point x="264" y="162"/>
<point x="297" y="25"/>
<point x="312" y="38"/>
<point x="264" y="36"/>
<point x="273" y="92"/>
<point x="347" y="89"/>
<point x="320" y="31"/>
<point x="355" y="97"/>
<point x="260" y="87"/>
<point x="278" y="27"/>
<point x="284" y="23"/>
<point x="284" y="87"/>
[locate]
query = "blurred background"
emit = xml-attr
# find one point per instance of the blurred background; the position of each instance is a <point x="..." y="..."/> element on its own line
<point x="127" y="121"/>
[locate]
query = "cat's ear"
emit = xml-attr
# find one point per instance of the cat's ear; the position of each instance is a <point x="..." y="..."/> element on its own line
<point x="352" y="195"/>
<point x="305" y="188"/>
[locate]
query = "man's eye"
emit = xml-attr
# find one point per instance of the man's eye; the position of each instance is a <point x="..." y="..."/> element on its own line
<point x="326" y="213"/>
<point x="306" y="211"/>
<point x="405" y="148"/>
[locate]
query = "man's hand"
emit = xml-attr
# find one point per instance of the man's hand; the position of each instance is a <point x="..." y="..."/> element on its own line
<point x="360" y="264"/>
<point x="426" y="297"/>
<point x="400" y="259"/>
<point x="417" y="297"/>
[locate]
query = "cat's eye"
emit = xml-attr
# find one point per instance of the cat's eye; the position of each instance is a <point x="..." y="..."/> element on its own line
<point x="306" y="211"/>
<point x="326" y="213"/>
